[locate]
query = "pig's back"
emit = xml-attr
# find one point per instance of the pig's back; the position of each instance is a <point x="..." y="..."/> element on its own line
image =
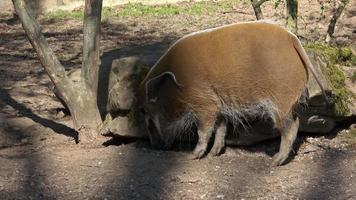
<point x="239" y="64"/>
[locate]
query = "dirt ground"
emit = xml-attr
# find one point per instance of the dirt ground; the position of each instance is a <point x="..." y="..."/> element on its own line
<point x="40" y="159"/>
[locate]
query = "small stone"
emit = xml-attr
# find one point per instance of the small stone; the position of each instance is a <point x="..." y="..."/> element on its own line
<point x="61" y="114"/>
<point x="309" y="149"/>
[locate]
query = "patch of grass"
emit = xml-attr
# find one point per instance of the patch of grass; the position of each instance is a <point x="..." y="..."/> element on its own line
<point x="141" y="10"/>
<point x="200" y="8"/>
<point x="334" y="56"/>
<point x="62" y="15"/>
<point x="108" y="12"/>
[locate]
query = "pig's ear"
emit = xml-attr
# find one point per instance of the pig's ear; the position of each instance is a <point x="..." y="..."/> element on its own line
<point x="153" y="85"/>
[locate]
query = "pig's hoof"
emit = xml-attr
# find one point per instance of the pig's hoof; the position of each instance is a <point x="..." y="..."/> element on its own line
<point x="279" y="159"/>
<point x="216" y="150"/>
<point x="199" y="152"/>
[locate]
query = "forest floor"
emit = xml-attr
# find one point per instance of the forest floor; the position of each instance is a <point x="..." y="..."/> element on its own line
<point x="41" y="160"/>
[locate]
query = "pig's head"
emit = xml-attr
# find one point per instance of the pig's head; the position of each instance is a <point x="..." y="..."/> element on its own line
<point x="157" y="115"/>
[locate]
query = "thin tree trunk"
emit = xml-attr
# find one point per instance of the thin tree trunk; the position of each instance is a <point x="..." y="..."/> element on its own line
<point x="292" y="15"/>
<point x="53" y="67"/>
<point x="78" y="96"/>
<point x="256" y="5"/>
<point x="91" y="54"/>
<point x="334" y="18"/>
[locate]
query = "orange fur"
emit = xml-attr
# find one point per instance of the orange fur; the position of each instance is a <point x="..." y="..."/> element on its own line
<point x="238" y="64"/>
<point x="236" y="74"/>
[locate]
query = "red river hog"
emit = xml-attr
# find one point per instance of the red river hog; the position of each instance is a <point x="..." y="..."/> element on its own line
<point x="235" y="74"/>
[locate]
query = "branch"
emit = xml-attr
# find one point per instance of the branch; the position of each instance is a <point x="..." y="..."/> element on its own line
<point x="91" y="54"/>
<point x="48" y="59"/>
<point x="335" y="17"/>
<point x="257" y="10"/>
<point x="257" y="4"/>
<point x="292" y="15"/>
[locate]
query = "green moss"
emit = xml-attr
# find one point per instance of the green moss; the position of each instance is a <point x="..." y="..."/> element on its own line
<point x="350" y="137"/>
<point x="345" y="53"/>
<point x="133" y="115"/>
<point x="346" y="56"/>
<point x="353" y="77"/>
<point x="334" y="56"/>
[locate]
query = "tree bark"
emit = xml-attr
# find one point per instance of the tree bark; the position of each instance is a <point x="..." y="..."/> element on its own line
<point x="53" y="67"/>
<point x="292" y="15"/>
<point x="256" y="5"/>
<point x="91" y="54"/>
<point x="77" y="96"/>
<point x="334" y="18"/>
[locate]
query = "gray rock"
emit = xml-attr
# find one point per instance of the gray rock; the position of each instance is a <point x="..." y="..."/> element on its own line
<point x="126" y="74"/>
<point x="316" y="115"/>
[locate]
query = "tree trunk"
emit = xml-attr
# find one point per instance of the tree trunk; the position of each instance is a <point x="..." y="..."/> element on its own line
<point x="334" y="18"/>
<point x="292" y="15"/>
<point x="256" y="5"/>
<point x="91" y="54"/>
<point x="79" y="97"/>
<point x="84" y="111"/>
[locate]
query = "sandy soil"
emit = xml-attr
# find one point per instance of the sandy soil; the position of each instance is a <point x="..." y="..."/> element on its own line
<point x="40" y="159"/>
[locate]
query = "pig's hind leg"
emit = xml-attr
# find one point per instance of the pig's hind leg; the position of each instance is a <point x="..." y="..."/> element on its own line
<point x="219" y="141"/>
<point x="205" y="131"/>
<point x="288" y="130"/>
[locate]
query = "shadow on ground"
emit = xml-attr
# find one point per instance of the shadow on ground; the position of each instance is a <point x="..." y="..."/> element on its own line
<point x="329" y="180"/>
<point x="25" y="112"/>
